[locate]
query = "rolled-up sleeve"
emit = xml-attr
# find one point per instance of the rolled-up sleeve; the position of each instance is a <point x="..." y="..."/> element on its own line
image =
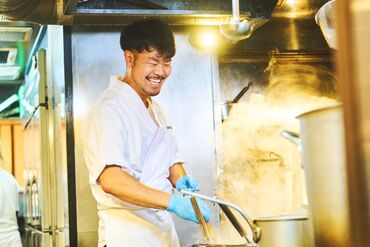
<point x="175" y="155"/>
<point x="104" y="141"/>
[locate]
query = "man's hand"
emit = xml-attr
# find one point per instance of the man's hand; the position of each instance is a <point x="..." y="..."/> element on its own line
<point x="182" y="207"/>
<point x="187" y="183"/>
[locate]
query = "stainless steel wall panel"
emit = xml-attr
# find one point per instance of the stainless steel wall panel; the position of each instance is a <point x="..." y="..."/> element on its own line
<point x="187" y="96"/>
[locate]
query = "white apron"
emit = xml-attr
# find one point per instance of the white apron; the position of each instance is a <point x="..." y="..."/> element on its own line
<point x="150" y="149"/>
<point x="145" y="227"/>
<point x="9" y="234"/>
<point x="11" y="239"/>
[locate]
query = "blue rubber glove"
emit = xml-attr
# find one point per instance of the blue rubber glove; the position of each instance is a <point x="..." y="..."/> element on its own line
<point x="187" y="183"/>
<point x="183" y="208"/>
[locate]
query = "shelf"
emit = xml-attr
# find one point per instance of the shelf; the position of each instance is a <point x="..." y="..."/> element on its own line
<point x="10" y="82"/>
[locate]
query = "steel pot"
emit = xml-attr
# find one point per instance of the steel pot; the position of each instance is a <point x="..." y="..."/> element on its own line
<point x="277" y="231"/>
<point x="323" y="156"/>
<point x="284" y="230"/>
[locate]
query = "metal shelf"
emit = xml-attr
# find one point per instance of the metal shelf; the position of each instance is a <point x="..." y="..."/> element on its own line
<point x="11" y="82"/>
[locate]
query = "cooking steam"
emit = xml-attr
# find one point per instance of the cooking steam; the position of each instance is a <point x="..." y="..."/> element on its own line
<point x="262" y="170"/>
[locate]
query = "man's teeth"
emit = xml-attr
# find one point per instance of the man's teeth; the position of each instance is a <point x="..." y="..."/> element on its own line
<point x="155" y="80"/>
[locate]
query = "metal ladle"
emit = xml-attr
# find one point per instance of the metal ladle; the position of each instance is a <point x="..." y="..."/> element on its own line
<point x="227" y="105"/>
<point x="238" y="30"/>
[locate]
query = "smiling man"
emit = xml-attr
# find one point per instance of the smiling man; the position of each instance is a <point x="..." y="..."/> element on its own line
<point x="130" y="151"/>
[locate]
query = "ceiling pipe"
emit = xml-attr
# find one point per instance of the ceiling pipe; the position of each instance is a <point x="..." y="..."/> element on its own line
<point x="236" y="12"/>
<point x="34" y="11"/>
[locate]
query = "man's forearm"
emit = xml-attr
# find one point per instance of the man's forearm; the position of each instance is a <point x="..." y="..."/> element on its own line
<point x="120" y="184"/>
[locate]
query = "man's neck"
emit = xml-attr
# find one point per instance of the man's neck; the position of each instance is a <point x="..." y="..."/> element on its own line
<point x="134" y="86"/>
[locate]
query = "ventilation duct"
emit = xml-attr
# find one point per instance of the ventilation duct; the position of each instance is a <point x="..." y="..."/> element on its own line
<point x="13" y="34"/>
<point x="35" y="11"/>
<point x="8" y="56"/>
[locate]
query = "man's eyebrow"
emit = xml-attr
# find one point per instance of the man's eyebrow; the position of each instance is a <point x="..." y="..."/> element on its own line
<point x="155" y="59"/>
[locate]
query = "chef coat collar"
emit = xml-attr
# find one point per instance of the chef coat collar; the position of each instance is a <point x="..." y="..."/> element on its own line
<point x="135" y="100"/>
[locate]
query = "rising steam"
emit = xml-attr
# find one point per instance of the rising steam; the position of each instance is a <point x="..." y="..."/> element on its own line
<point x="262" y="171"/>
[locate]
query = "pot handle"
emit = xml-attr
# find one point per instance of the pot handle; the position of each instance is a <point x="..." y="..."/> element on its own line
<point x="291" y="136"/>
<point x="256" y="230"/>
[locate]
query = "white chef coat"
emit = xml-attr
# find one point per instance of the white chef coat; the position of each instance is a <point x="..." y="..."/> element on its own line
<point x="121" y="131"/>
<point x="9" y="234"/>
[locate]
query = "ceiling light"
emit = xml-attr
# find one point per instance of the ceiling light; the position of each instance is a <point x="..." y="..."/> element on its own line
<point x="205" y="39"/>
<point x="208" y="39"/>
<point x="292" y="3"/>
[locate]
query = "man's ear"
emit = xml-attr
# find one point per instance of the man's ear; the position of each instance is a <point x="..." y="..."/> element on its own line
<point x="129" y="58"/>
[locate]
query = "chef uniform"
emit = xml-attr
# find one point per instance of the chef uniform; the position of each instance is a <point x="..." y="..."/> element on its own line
<point x="122" y="131"/>
<point x="9" y="205"/>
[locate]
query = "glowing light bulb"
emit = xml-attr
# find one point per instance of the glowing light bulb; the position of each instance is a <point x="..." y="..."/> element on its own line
<point x="292" y="3"/>
<point x="208" y="39"/>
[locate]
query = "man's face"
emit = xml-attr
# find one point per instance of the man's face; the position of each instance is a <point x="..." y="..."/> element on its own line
<point x="149" y="70"/>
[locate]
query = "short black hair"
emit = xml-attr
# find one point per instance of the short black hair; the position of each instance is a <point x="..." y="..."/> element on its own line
<point x="149" y="34"/>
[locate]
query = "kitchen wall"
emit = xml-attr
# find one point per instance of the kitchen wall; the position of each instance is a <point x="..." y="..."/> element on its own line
<point x="189" y="97"/>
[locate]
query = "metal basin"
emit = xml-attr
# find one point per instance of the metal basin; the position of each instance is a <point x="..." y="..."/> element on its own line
<point x="284" y="230"/>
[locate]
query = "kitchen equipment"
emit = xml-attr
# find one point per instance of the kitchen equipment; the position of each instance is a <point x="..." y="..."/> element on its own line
<point x="288" y="230"/>
<point x="256" y="232"/>
<point x="234" y="221"/>
<point x="45" y="225"/>
<point x="204" y="226"/>
<point x="291" y="136"/>
<point x="285" y="230"/>
<point x="323" y="153"/>
<point x="238" y="30"/>
<point x="325" y="18"/>
<point x="227" y="105"/>
<point x="294" y="138"/>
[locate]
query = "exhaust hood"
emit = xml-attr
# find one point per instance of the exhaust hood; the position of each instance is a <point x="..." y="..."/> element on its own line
<point x="120" y="12"/>
<point x="290" y="23"/>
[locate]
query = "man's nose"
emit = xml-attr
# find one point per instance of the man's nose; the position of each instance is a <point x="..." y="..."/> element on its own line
<point x="160" y="70"/>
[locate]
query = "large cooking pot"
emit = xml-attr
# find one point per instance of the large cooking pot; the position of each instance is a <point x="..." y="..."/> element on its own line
<point x="286" y="230"/>
<point x="323" y="156"/>
<point x="277" y="231"/>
